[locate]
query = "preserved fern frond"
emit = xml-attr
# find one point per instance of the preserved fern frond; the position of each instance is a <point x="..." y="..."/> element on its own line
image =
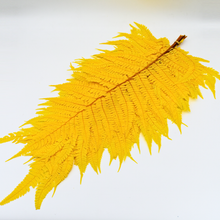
<point x="110" y="99"/>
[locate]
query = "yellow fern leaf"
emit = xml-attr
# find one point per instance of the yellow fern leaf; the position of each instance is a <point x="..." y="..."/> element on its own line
<point x="110" y="99"/>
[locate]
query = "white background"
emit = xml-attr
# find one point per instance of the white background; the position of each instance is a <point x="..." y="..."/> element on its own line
<point x="38" y="40"/>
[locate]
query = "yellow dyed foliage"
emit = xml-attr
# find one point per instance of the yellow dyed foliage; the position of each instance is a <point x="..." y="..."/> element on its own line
<point x="110" y="99"/>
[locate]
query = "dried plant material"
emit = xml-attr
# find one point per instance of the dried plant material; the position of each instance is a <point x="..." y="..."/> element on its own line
<point x="110" y="99"/>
